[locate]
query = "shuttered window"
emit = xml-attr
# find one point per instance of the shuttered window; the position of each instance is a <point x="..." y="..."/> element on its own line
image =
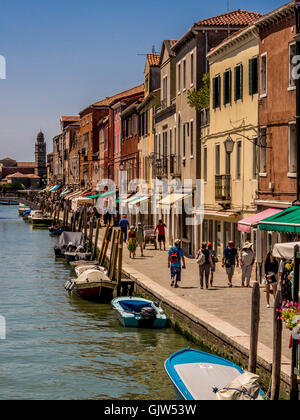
<point x="227" y="87"/>
<point x="238" y="82"/>
<point x="253" y="76"/>
<point x="216" y="92"/>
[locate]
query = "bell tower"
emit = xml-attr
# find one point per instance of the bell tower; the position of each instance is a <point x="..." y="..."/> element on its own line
<point x="40" y="155"/>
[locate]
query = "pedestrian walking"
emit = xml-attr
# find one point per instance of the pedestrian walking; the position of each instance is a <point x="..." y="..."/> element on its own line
<point x="132" y="242"/>
<point x="124" y="225"/>
<point x="161" y="229"/>
<point x="175" y="258"/>
<point x="215" y="260"/>
<point x="247" y="259"/>
<point x="205" y="264"/>
<point x="140" y="237"/>
<point x="230" y="261"/>
<point x="271" y="276"/>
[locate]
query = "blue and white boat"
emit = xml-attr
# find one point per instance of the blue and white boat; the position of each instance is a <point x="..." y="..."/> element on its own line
<point x="138" y="312"/>
<point x="199" y="376"/>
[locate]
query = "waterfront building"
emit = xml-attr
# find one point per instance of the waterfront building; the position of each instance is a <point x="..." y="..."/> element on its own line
<point x="191" y="50"/>
<point x="49" y="166"/>
<point x="147" y="110"/>
<point x="277" y="109"/>
<point x="89" y="136"/>
<point x="167" y="154"/>
<point x="277" y="178"/>
<point x="229" y="140"/>
<point x="130" y="140"/>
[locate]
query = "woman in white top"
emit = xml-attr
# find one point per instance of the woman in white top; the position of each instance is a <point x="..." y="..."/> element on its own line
<point x="247" y="259"/>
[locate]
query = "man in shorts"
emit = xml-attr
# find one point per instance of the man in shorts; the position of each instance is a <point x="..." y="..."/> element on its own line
<point x="161" y="229"/>
<point x="230" y="261"/>
<point x="176" y="256"/>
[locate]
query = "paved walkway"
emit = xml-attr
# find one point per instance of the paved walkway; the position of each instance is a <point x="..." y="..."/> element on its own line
<point x="230" y="305"/>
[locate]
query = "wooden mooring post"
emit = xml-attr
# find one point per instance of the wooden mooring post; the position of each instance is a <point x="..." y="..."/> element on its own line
<point x="255" y="318"/>
<point x="277" y="349"/>
<point x="94" y="255"/>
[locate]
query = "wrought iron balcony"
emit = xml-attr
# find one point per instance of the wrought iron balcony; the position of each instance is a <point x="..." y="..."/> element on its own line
<point x="175" y="166"/>
<point x="223" y="188"/>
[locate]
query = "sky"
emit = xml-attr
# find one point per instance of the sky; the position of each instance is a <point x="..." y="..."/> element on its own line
<point x="63" y="55"/>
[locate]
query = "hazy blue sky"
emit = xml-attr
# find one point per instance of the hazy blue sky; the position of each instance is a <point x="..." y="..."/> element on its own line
<point x="64" y="55"/>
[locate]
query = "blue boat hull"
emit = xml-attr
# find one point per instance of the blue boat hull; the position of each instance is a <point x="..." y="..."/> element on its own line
<point x="129" y="315"/>
<point x="195" y="375"/>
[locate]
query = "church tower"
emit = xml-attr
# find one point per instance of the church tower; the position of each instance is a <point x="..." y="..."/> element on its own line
<point x="40" y="155"/>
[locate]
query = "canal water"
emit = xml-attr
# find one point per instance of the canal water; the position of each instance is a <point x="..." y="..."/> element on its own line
<point x="62" y="347"/>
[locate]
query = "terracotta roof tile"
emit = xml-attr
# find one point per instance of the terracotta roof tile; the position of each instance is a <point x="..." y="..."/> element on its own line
<point x="65" y="118"/>
<point x="235" y="18"/>
<point x="138" y="90"/>
<point x="26" y="164"/>
<point x="153" y="59"/>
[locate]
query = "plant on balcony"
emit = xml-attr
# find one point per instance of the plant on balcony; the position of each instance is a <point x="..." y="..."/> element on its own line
<point x="289" y="314"/>
<point x="199" y="99"/>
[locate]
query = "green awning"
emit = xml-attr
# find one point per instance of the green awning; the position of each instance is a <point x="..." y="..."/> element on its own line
<point x="103" y="195"/>
<point x="288" y="221"/>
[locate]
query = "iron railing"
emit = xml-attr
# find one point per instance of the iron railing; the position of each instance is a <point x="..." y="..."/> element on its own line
<point x="223" y="188"/>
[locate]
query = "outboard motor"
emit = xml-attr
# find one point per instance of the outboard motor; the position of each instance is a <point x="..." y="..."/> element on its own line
<point x="148" y="317"/>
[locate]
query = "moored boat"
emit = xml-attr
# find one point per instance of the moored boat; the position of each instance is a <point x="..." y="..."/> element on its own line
<point x="137" y="312"/>
<point x="66" y="239"/>
<point x="202" y="376"/>
<point x="92" y="284"/>
<point x="38" y="218"/>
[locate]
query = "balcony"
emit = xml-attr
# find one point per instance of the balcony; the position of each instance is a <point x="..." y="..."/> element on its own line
<point x="175" y="166"/>
<point x="223" y="189"/>
<point x="160" y="167"/>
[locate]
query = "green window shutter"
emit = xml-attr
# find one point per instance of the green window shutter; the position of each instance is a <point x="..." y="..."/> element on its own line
<point x="241" y="81"/>
<point x="219" y="92"/>
<point x="224" y="89"/>
<point x="230" y="86"/>
<point x="214" y="93"/>
<point x="236" y="73"/>
<point x="250" y="76"/>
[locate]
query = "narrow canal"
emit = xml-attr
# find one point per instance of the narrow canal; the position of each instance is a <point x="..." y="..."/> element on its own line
<point x="61" y="347"/>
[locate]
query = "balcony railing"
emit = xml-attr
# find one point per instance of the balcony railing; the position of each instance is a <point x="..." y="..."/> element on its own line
<point x="223" y="188"/>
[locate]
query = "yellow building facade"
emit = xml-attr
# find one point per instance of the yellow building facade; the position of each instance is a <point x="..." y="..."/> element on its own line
<point x="147" y="110"/>
<point x="229" y="140"/>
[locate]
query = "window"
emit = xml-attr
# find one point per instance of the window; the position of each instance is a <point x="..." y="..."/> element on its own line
<point x="292" y="53"/>
<point x="263" y="151"/>
<point x="165" y="92"/>
<point x="192" y="69"/>
<point x="227" y="87"/>
<point x="238" y="160"/>
<point x="216" y="92"/>
<point x="292" y="149"/>
<point x="184" y="75"/>
<point x="184" y="140"/>
<point x="254" y="161"/>
<point x="217" y="159"/>
<point x="179" y="78"/>
<point x="263" y="75"/>
<point x="171" y="139"/>
<point x="253" y="76"/>
<point x="192" y="137"/>
<point x="205" y="164"/>
<point x="238" y="82"/>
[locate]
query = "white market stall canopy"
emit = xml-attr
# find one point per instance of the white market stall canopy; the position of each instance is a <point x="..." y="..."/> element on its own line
<point x="286" y="250"/>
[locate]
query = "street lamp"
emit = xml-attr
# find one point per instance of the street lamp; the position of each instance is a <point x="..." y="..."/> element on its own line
<point x="229" y="145"/>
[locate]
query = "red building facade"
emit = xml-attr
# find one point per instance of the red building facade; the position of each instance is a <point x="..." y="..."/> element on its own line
<point x="277" y="109"/>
